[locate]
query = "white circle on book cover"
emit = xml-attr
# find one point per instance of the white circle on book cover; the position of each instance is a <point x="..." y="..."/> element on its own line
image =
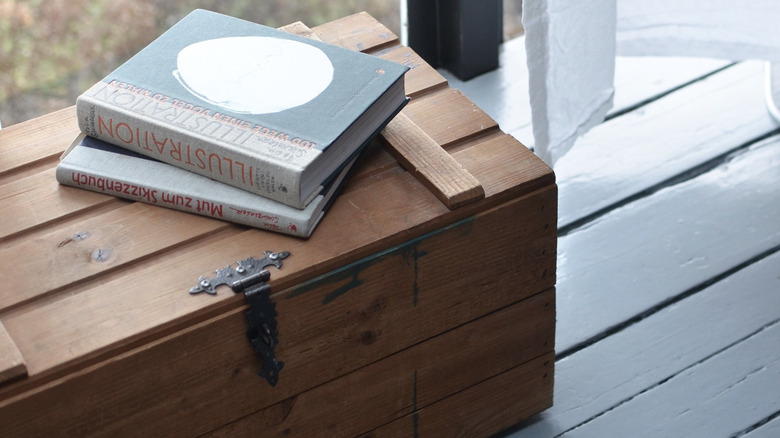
<point x="257" y="75"/>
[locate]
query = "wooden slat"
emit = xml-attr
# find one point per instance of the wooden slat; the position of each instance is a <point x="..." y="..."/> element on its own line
<point x="500" y="163"/>
<point x="417" y="136"/>
<point x="667" y="137"/>
<point x="421" y="76"/>
<point x="503" y="93"/>
<point x="722" y="396"/>
<point x="95" y="245"/>
<point x="666" y="344"/>
<point x="342" y="32"/>
<point x="301" y="29"/>
<point x="12" y="365"/>
<point x="512" y="395"/>
<point x="412" y="379"/>
<point x="449" y="117"/>
<point x="38" y="200"/>
<point x="428" y="162"/>
<point x="31" y="142"/>
<point x="670" y="242"/>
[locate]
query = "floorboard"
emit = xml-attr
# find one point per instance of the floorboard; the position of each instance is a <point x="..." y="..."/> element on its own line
<point x="663" y="139"/>
<point x="720" y="396"/>
<point x="653" y="250"/>
<point x="640" y="79"/>
<point x="652" y="351"/>
<point x="668" y="291"/>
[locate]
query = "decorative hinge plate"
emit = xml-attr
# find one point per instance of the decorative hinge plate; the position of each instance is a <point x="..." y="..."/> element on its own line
<point x="250" y="277"/>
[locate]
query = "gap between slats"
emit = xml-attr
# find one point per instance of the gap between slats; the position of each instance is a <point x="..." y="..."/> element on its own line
<point x="653" y="351"/>
<point x="674" y="180"/>
<point x="665" y="304"/>
<point x="606" y="420"/>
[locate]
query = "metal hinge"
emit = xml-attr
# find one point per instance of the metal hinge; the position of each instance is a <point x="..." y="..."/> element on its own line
<point x="250" y="277"/>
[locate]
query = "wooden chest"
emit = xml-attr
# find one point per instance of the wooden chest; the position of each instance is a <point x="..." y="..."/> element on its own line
<point x="398" y="317"/>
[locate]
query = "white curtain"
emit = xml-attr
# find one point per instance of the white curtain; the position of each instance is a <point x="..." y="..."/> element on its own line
<point x="571" y="47"/>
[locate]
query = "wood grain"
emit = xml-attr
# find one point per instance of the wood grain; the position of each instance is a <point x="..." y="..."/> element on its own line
<point x="403" y="199"/>
<point x="421" y="77"/>
<point x="29" y="143"/>
<point x="37" y="200"/>
<point x="373" y="35"/>
<point x="301" y="29"/>
<point x="412" y="379"/>
<point x="12" y="364"/>
<point x="111" y="323"/>
<point x="512" y="396"/>
<point x="504" y="166"/>
<point x="430" y="164"/>
<point x="320" y="325"/>
<point x="94" y="246"/>
<point x="449" y="117"/>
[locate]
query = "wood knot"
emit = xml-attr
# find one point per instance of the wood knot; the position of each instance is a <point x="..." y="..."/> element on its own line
<point x="367" y="337"/>
<point x="375" y="307"/>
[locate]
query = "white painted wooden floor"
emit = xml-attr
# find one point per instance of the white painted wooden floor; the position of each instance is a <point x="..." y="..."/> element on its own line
<point x="668" y="287"/>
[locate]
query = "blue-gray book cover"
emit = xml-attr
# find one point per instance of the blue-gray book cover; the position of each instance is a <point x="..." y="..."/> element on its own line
<point x="251" y="106"/>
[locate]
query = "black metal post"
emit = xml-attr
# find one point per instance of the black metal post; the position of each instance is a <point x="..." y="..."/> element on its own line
<point x="462" y="36"/>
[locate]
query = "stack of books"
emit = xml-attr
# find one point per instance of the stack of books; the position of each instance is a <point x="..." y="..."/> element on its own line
<point x="234" y="120"/>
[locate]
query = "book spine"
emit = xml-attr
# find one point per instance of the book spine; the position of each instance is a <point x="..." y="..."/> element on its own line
<point x="159" y="131"/>
<point x="202" y="205"/>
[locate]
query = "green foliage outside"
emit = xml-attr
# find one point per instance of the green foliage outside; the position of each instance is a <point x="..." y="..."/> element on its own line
<point x="52" y="50"/>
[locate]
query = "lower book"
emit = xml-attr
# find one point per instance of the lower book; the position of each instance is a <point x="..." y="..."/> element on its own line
<point x="95" y="165"/>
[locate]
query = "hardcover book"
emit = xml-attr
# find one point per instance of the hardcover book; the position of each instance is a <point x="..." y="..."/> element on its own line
<point x="251" y="106"/>
<point x="95" y="165"/>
